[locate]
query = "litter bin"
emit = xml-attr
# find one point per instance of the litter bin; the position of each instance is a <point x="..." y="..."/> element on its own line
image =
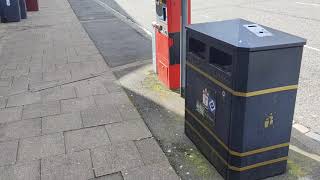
<point x="241" y="87"/>
<point x="23" y="9"/>
<point x="32" y="5"/>
<point x="10" y="11"/>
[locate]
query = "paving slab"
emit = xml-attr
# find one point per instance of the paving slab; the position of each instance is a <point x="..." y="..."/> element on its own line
<point x="5" y="82"/>
<point x="121" y="101"/>
<point x="113" y="158"/>
<point x="128" y="130"/>
<point x="20" y="129"/>
<point x="89" y="88"/>
<point x="77" y="104"/>
<point x="150" y="151"/>
<point x="41" y="147"/>
<point x="19" y="85"/>
<point x="10" y="114"/>
<point x="58" y="93"/>
<point x="41" y="109"/>
<point x="161" y="171"/>
<point x="3" y="102"/>
<point x="115" y="98"/>
<point x="23" y="99"/>
<point x="87" y="69"/>
<point x="21" y="171"/>
<point x="62" y="122"/>
<point x="7" y="73"/>
<point x="87" y="138"/>
<point x="100" y="116"/>
<point x="8" y="153"/>
<point x="70" y="166"/>
<point x="56" y="76"/>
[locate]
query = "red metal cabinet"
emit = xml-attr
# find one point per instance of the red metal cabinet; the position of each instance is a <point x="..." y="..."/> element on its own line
<point x="32" y="5"/>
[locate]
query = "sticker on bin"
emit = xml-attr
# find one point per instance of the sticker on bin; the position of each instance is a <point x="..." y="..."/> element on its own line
<point x="8" y="2"/>
<point x="258" y="30"/>
<point x="212" y="105"/>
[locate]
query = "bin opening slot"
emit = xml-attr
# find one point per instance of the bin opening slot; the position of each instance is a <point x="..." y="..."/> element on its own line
<point x="220" y="60"/>
<point x="258" y="30"/>
<point x="197" y="48"/>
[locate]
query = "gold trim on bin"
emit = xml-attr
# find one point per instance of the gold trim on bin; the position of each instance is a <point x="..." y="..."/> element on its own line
<point x="243" y="94"/>
<point x="234" y="153"/>
<point x="239" y="169"/>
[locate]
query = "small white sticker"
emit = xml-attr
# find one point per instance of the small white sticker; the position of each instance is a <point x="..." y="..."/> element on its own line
<point x="8" y="2"/>
<point x="212" y="105"/>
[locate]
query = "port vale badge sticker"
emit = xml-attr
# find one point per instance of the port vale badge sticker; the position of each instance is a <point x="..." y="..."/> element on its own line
<point x="208" y="102"/>
<point x="212" y="105"/>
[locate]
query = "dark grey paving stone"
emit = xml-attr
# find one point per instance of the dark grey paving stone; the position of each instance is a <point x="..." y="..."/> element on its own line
<point x="41" y="109"/>
<point x="41" y="147"/>
<point x="20" y="129"/>
<point x="114" y="158"/>
<point x="75" y="166"/>
<point x="115" y="98"/>
<point x="58" y="93"/>
<point x="8" y="152"/>
<point x="21" y="171"/>
<point x="115" y="176"/>
<point x="77" y="104"/>
<point x="118" y="42"/>
<point x="128" y="130"/>
<point x="87" y="138"/>
<point x="150" y="151"/>
<point x="60" y="123"/>
<point x="160" y="171"/>
<point x="100" y="116"/>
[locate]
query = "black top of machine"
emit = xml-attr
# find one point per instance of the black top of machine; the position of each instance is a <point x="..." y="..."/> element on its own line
<point x="248" y="35"/>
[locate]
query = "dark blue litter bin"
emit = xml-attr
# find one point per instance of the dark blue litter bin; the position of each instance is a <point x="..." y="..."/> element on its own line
<point x="10" y="11"/>
<point x="241" y="88"/>
<point x="23" y="9"/>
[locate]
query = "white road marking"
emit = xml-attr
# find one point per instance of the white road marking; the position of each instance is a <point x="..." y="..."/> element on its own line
<point x="308" y="4"/>
<point x="315" y="49"/>
<point x="310" y="155"/>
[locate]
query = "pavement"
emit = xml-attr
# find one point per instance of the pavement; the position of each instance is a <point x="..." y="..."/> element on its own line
<point x="76" y="103"/>
<point x="63" y="114"/>
<point x="163" y="110"/>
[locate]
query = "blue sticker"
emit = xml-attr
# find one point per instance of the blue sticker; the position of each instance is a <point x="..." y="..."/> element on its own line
<point x="212" y="105"/>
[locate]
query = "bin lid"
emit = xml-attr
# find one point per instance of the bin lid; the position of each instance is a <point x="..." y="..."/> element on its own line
<point x="245" y="34"/>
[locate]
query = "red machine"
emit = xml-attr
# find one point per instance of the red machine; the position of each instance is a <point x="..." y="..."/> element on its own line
<point x="32" y="5"/>
<point x="168" y="41"/>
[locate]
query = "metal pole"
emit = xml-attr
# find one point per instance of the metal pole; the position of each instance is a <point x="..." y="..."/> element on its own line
<point x="184" y="21"/>
<point x="154" y="61"/>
